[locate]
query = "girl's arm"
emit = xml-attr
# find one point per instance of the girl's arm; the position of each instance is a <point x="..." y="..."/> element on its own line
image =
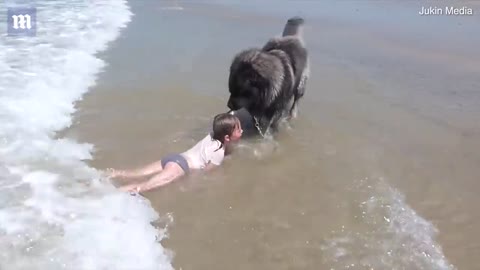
<point x="210" y="166"/>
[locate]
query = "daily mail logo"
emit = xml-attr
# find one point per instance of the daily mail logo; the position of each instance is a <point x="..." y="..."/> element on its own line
<point x="22" y="21"/>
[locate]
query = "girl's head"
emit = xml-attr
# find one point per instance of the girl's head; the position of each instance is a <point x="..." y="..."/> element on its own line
<point x="226" y="128"/>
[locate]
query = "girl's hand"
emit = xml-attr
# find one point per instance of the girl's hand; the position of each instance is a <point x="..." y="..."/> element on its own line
<point x="130" y="188"/>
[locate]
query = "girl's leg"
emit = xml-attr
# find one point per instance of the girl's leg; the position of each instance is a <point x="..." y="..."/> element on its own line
<point x="150" y="169"/>
<point x="171" y="172"/>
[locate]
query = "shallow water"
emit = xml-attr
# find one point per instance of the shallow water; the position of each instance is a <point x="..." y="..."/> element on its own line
<point x="378" y="172"/>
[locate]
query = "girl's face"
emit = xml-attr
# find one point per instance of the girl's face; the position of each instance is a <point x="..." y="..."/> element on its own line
<point x="237" y="133"/>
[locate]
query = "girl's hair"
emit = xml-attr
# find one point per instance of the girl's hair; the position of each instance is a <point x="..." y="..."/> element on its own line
<point x="224" y="124"/>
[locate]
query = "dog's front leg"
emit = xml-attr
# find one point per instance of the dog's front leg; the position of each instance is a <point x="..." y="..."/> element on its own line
<point x="273" y="125"/>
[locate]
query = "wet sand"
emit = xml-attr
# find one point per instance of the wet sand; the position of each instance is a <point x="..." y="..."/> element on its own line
<point x="387" y="111"/>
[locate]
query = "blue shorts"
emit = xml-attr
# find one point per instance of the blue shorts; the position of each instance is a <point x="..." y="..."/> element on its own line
<point x="177" y="158"/>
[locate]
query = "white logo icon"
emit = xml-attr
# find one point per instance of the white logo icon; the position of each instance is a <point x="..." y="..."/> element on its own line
<point x="22" y="21"/>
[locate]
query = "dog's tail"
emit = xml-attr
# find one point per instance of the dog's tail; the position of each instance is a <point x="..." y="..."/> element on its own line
<point x="293" y="26"/>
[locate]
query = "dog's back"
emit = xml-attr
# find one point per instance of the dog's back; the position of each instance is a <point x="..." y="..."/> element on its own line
<point x="295" y="50"/>
<point x="292" y="44"/>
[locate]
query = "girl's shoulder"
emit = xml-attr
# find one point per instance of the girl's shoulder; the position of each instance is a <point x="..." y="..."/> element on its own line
<point x="210" y="142"/>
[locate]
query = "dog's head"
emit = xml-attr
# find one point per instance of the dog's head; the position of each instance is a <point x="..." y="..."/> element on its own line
<point x="246" y="92"/>
<point x="250" y="82"/>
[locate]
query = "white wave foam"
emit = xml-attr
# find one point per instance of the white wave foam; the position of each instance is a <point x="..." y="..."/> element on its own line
<point x="389" y="234"/>
<point x="52" y="215"/>
<point x="172" y="8"/>
<point x="171" y="5"/>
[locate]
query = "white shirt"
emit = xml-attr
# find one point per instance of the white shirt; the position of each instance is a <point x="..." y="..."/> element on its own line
<point x="205" y="151"/>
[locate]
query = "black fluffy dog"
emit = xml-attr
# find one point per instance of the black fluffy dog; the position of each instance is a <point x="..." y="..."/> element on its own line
<point x="269" y="82"/>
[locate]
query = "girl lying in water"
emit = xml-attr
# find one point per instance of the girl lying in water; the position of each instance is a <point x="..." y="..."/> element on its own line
<point x="205" y="155"/>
